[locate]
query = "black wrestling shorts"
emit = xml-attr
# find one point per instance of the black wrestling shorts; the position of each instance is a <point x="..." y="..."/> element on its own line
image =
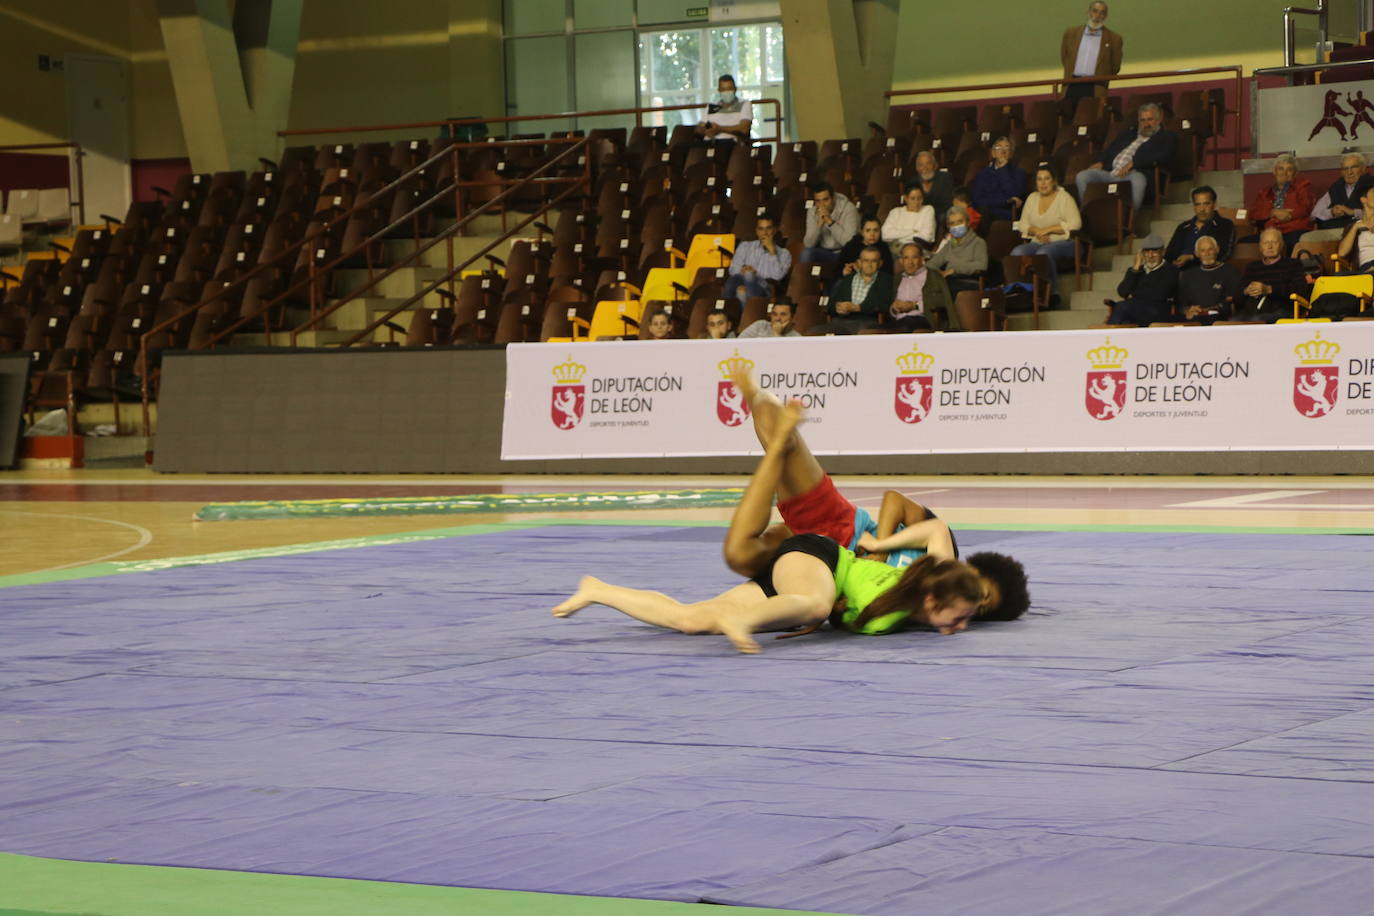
<point x="816" y="545"/>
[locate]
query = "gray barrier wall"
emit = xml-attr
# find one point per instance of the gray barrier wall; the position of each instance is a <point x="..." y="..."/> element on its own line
<point x="439" y="412"/>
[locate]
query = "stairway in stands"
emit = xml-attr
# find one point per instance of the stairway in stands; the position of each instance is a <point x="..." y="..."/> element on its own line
<point x="389" y="293"/>
<point x="1084" y="308"/>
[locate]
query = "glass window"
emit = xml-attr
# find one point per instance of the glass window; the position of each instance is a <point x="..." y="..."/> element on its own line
<point x="605" y="76"/>
<point x="537" y="81"/>
<point x="681" y="67"/>
<point x="773" y="58"/>
<point x="531" y="17"/>
<point x="603" y="14"/>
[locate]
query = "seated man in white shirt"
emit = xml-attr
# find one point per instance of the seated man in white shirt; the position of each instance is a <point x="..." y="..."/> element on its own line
<point x="777" y="324"/>
<point x="730" y="118"/>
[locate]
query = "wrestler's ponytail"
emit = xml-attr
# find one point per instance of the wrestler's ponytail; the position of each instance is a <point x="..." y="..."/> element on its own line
<point x="944" y="580"/>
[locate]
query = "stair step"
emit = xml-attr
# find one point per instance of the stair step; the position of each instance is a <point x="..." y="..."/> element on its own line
<point x="1056" y="320"/>
<point x="329" y="337"/>
<point x="406" y="281"/>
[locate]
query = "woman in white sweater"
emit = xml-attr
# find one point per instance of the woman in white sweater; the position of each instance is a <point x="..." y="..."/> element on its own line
<point x="1047" y="218"/>
<point x="914" y="221"/>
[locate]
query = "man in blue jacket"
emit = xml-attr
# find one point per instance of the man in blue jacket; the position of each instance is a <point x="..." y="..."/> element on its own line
<point x="1133" y="155"/>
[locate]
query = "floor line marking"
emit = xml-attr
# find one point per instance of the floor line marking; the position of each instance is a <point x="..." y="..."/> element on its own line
<point x="1244" y="500"/>
<point x="145" y="537"/>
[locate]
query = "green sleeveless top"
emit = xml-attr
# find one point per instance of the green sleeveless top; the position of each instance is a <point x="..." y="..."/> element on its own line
<point x="860" y="581"/>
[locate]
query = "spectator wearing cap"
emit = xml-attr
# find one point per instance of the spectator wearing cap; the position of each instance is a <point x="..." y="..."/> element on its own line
<point x="1090" y="50"/>
<point x="1285" y="205"/>
<point x="999" y="188"/>
<point x="1205" y="221"/>
<point x="1148" y="289"/>
<point x="1339" y="207"/>
<point x="1133" y="155"/>
<point x="728" y="119"/>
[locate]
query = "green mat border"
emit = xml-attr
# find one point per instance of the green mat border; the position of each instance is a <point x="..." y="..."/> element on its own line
<point x="34" y="886"/>
<point x="471" y="503"/>
<point x="119" y="567"/>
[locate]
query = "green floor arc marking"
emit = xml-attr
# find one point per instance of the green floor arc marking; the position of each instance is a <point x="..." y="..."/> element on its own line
<point x="56" y="887"/>
<point x="470" y="503"/>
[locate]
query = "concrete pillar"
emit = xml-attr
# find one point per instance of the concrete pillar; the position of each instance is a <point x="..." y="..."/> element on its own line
<point x="232" y="75"/>
<point x="477" y="70"/>
<point x="839" y="62"/>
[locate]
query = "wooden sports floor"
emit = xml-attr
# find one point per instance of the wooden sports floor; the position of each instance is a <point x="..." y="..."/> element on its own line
<point x="55" y="521"/>
<point x="58" y="525"/>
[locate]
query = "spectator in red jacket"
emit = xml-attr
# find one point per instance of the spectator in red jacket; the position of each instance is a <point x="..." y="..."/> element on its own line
<point x="1286" y="205"/>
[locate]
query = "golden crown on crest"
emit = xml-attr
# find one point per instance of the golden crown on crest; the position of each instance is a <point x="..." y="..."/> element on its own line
<point x="1107" y="356"/>
<point x="734" y="364"/>
<point x="569" y="373"/>
<point x="916" y="362"/>
<point x="1317" y="352"/>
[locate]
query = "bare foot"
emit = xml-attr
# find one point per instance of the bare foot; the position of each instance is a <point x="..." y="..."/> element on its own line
<point x="788" y="417"/>
<point x="741" y="638"/>
<point x="744" y="382"/>
<point x="580" y="598"/>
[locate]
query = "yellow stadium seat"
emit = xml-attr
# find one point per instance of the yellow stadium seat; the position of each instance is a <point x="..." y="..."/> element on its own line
<point x="704" y="251"/>
<point x="1361" y="286"/>
<point x="612" y="320"/>
<point x="659" y="283"/>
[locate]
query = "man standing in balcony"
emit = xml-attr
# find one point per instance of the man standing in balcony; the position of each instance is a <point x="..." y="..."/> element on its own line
<point x="1089" y="50"/>
<point x="728" y="119"/>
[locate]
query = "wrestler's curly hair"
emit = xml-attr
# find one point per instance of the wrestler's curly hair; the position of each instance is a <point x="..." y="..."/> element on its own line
<point x="944" y="580"/>
<point x="1010" y="578"/>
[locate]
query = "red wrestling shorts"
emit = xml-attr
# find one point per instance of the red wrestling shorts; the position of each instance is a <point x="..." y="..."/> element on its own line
<point x="821" y="510"/>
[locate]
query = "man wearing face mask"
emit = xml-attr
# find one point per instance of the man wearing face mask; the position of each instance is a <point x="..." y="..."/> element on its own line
<point x="1089" y="50"/>
<point x="730" y="118"/>
<point x="1148" y="289"/>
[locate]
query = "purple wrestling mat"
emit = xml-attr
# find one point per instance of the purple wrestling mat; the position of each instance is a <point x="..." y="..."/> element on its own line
<point x="1183" y="724"/>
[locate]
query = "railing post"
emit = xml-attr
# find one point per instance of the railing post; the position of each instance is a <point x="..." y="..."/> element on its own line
<point x="80" y="183"/>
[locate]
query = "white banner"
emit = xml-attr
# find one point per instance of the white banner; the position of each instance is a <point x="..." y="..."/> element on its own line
<point x="1268" y="387"/>
<point x="1316" y="120"/>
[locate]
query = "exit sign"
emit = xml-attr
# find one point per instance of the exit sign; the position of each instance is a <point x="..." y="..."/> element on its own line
<point x="698" y="12"/>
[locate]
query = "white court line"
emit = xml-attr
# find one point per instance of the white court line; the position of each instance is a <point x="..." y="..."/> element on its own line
<point x="1265" y="501"/>
<point x="862" y="499"/>
<point x="145" y="537"/>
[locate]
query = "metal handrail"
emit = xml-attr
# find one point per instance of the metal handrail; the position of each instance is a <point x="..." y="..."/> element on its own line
<point x="285" y="255"/>
<point x="450" y="123"/>
<point x="453" y="272"/>
<point x="1312" y="68"/>
<point x="375" y="237"/>
<point x="1056" y="82"/>
<point x="80" y="153"/>
<point x="1290" y="42"/>
<point x="446" y="235"/>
